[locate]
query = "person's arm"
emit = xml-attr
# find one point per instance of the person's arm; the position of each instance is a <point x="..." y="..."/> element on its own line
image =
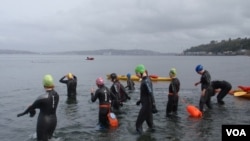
<point x="116" y="90"/>
<point x="75" y="77"/>
<point x="203" y="92"/>
<point x="62" y="80"/>
<point x="94" y="96"/>
<point x="125" y="93"/>
<point x="149" y="88"/>
<point x="30" y="109"/>
<point x="197" y="83"/>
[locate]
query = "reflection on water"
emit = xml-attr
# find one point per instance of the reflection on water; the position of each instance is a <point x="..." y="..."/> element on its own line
<point x="71" y="100"/>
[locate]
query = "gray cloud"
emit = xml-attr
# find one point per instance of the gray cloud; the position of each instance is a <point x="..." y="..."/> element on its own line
<point x="162" y="25"/>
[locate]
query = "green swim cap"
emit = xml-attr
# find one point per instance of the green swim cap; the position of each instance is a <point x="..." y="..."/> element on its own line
<point x="48" y="81"/>
<point x="173" y="71"/>
<point x="140" y="68"/>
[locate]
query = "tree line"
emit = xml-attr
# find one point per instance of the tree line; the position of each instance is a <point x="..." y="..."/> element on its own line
<point x="230" y="46"/>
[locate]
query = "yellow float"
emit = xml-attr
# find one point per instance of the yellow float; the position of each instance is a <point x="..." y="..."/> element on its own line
<point x="135" y="78"/>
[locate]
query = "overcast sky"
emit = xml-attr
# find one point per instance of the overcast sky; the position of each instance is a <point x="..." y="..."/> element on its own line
<point x="160" y="25"/>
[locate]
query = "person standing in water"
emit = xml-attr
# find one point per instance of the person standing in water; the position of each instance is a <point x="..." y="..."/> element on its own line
<point x="206" y="88"/>
<point x="221" y="87"/>
<point x="173" y="90"/>
<point x="130" y="83"/>
<point x="119" y="91"/>
<point x="104" y="96"/>
<point x="47" y="103"/>
<point x="71" y="83"/>
<point x="146" y="100"/>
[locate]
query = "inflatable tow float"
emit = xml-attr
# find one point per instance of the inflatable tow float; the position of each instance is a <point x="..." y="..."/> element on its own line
<point x="193" y="111"/>
<point x="113" y="121"/>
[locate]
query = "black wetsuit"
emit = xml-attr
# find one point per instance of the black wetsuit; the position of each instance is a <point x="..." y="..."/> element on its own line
<point x="47" y="119"/>
<point x="104" y="96"/>
<point x="173" y="97"/>
<point x="206" y="84"/>
<point x="130" y="84"/>
<point x="121" y="95"/>
<point x="71" y="86"/>
<point x="225" y="88"/>
<point x="146" y="100"/>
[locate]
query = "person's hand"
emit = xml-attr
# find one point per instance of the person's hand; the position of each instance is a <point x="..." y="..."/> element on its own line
<point x="121" y="104"/>
<point x="21" y="114"/>
<point x="202" y="93"/>
<point x="92" y="90"/>
<point x="138" y="102"/>
<point x="32" y="113"/>
<point x="197" y="83"/>
<point x="154" y="110"/>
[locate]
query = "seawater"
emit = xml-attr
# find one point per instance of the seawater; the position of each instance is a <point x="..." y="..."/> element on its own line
<point x="21" y="83"/>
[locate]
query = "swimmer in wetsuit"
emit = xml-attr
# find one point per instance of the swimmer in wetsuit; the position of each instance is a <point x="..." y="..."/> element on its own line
<point x="47" y="103"/>
<point x="223" y="88"/>
<point x="173" y="91"/>
<point x="130" y="83"/>
<point x="71" y="83"/>
<point x="104" y="96"/>
<point x="206" y="88"/>
<point x="146" y="100"/>
<point x="119" y="91"/>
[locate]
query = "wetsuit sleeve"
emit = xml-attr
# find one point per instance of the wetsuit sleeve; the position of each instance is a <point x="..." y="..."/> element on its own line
<point x="94" y="96"/>
<point x="124" y="91"/>
<point x="206" y="79"/>
<point x="149" y="88"/>
<point x="62" y="80"/>
<point x="116" y="88"/>
<point x="112" y="95"/>
<point x="75" y="77"/>
<point x="30" y="109"/>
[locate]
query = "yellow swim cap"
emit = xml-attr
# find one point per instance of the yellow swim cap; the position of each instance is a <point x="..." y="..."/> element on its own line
<point x="70" y="76"/>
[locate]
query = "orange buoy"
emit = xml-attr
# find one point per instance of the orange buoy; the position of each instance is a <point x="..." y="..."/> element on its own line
<point x="193" y="111"/>
<point x="113" y="122"/>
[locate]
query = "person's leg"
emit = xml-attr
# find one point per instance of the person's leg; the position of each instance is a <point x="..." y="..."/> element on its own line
<point x="103" y="119"/>
<point x="223" y="93"/>
<point x="52" y="126"/>
<point x="175" y="104"/>
<point x="41" y="129"/>
<point x="169" y="105"/>
<point x="208" y="95"/>
<point x="140" y="119"/>
<point x="149" y="120"/>
<point x="201" y="103"/>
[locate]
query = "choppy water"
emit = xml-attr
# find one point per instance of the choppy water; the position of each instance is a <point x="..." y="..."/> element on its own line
<point x="21" y="83"/>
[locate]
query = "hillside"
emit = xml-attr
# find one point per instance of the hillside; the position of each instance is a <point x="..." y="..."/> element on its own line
<point x="225" y="47"/>
<point x="115" y="52"/>
<point x="93" y="52"/>
<point x="7" y="51"/>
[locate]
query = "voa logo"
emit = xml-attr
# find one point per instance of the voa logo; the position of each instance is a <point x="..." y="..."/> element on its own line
<point x="236" y="132"/>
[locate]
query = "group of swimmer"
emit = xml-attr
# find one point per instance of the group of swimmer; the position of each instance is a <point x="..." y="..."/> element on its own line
<point x="111" y="99"/>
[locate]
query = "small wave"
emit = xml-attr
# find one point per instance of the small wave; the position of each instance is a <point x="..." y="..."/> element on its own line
<point x="34" y="136"/>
